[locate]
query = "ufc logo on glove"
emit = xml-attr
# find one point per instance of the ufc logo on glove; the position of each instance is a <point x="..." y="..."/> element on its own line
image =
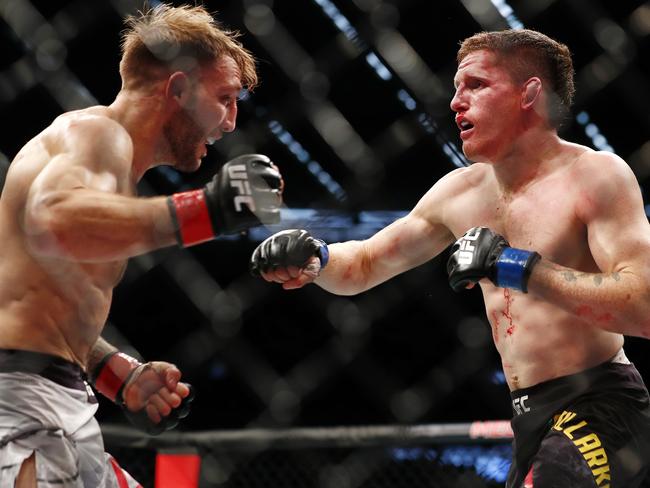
<point x="229" y="203"/>
<point x="482" y="253"/>
<point x="466" y="250"/>
<point x="239" y="181"/>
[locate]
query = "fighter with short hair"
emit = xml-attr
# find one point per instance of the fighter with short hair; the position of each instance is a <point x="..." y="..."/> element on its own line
<point x="555" y="235"/>
<point x="70" y="218"/>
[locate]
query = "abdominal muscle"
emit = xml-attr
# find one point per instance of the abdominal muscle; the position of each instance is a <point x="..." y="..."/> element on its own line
<point x="538" y="342"/>
<point x="53" y="306"/>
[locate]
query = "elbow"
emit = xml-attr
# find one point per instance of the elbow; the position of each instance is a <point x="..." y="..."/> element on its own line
<point x="639" y="300"/>
<point x="643" y="312"/>
<point x="637" y="306"/>
<point x="44" y="245"/>
<point x="43" y="224"/>
<point x="357" y="277"/>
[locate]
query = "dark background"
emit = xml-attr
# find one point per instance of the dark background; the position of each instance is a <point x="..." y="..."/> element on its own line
<point x="356" y="151"/>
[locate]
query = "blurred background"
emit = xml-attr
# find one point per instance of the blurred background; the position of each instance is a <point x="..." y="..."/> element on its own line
<point x="354" y="109"/>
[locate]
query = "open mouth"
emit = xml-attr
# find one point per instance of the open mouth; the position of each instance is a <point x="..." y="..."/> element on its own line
<point x="464" y="125"/>
<point x="208" y="142"/>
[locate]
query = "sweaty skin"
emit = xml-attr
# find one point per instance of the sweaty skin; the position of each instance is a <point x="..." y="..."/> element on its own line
<point x="68" y="213"/>
<point x="580" y="209"/>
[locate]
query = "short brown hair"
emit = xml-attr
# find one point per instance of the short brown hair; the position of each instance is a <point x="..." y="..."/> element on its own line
<point x="164" y="39"/>
<point x="526" y="53"/>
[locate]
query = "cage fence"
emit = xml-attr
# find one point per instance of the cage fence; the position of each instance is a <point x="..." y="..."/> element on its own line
<point x="464" y="455"/>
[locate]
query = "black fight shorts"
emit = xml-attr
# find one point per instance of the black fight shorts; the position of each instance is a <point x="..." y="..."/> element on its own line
<point x="588" y="430"/>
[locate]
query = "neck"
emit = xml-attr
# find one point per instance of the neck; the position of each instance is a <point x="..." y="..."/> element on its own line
<point x="531" y="156"/>
<point x="141" y="116"/>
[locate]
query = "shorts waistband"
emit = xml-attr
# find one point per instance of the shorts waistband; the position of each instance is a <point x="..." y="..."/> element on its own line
<point x="620" y="357"/>
<point x="54" y="368"/>
<point x="581" y="380"/>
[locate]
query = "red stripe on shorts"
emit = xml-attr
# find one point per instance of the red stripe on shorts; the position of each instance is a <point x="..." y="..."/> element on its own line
<point x="121" y="479"/>
<point x="528" y="482"/>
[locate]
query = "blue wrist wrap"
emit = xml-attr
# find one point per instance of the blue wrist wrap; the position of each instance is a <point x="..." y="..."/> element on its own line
<point x="324" y="253"/>
<point x="513" y="268"/>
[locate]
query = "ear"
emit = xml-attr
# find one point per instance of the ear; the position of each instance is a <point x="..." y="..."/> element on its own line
<point x="531" y="92"/>
<point x="177" y="88"/>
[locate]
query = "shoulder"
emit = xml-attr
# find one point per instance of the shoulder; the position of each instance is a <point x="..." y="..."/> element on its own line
<point x="451" y="193"/>
<point x="605" y="183"/>
<point x="90" y="132"/>
<point x="601" y="170"/>
<point x="460" y="181"/>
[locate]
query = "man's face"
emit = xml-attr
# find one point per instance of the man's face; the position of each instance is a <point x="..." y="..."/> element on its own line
<point x="487" y="104"/>
<point x="210" y="111"/>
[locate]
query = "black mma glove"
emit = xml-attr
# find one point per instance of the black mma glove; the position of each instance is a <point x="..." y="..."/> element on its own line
<point x="287" y="248"/>
<point x="246" y="192"/>
<point x="481" y="253"/>
<point x="117" y="370"/>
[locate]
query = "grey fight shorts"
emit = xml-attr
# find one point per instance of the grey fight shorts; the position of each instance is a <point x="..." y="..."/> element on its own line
<point x="39" y="415"/>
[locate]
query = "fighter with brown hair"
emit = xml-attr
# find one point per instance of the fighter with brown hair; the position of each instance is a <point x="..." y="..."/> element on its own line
<point x="70" y="218"/>
<point x="558" y="313"/>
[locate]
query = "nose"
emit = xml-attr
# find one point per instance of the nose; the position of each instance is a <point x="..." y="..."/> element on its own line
<point x="230" y="121"/>
<point x="458" y="102"/>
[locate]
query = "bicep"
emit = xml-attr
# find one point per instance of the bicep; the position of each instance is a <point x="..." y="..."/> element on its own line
<point x="612" y="209"/>
<point x="66" y="172"/>
<point x="422" y="234"/>
<point x="60" y="179"/>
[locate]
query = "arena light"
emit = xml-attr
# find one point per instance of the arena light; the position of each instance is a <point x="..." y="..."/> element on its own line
<point x="506" y="11"/>
<point x="322" y="176"/>
<point x="380" y="68"/>
<point x="340" y="21"/>
<point x="598" y="140"/>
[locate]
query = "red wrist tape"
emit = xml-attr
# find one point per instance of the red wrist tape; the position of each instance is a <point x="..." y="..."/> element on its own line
<point x="192" y="217"/>
<point x="114" y="373"/>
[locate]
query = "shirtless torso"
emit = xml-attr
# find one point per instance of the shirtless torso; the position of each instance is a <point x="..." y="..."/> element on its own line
<point x="49" y="303"/>
<point x="537" y="340"/>
<point x="68" y="212"/>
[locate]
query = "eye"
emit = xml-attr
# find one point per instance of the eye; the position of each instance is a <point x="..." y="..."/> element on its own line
<point x="474" y="84"/>
<point x="228" y="100"/>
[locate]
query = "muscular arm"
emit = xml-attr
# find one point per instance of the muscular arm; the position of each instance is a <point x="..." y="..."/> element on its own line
<point x="77" y="206"/>
<point x="356" y="266"/>
<point x="617" y="298"/>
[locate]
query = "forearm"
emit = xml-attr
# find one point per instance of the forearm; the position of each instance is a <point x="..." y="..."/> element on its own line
<point x="109" y="370"/>
<point x="349" y="270"/>
<point x="357" y="266"/>
<point x="90" y="226"/>
<point x="617" y="301"/>
<point x="98" y="352"/>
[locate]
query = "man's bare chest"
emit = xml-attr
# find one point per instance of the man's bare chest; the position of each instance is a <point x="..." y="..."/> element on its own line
<point x="542" y="220"/>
